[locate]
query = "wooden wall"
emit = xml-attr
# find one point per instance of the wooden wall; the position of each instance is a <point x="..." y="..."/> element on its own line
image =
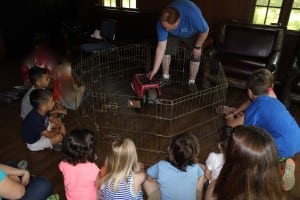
<point x="21" y="20"/>
<point x="215" y="12"/>
<point x="136" y="25"/>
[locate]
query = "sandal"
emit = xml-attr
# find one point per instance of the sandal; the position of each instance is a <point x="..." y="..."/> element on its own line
<point x="53" y="197"/>
<point x="22" y="164"/>
<point x="288" y="178"/>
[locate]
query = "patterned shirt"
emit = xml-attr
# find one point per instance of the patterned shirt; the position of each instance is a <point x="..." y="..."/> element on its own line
<point x="125" y="191"/>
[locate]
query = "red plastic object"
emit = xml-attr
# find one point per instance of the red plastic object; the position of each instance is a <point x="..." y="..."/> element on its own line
<point x="140" y="84"/>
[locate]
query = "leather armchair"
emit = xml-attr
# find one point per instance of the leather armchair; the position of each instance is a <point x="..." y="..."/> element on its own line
<point x="243" y="48"/>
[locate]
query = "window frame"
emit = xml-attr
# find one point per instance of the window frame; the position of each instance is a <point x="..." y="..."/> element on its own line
<point x="118" y="5"/>
<point x="268" y="7"/>
<point x="284" y="15"/>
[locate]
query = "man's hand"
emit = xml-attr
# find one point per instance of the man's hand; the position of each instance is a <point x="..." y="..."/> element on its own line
<point x="151" y="74"/>
<point x="196" y="55"/>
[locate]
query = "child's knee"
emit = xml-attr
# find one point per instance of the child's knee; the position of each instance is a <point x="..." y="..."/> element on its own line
<point x="56" y="139"/>
<point x="155" y="195"/>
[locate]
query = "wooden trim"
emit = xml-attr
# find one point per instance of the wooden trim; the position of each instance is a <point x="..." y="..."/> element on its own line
<point x="251" y="10"/>
<point x="285" y="12"/>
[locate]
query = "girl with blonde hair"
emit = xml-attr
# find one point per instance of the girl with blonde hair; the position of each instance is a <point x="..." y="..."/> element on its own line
<point x="124" y="176"/>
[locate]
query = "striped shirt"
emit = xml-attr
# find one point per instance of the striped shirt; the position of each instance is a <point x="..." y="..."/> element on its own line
<point x="125" y="191"/>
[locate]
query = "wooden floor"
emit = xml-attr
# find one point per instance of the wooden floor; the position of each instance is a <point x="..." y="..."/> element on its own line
<point x="45" y="163"/>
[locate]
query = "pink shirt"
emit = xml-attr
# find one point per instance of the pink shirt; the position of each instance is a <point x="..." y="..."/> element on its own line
<point x="79" y="180"/>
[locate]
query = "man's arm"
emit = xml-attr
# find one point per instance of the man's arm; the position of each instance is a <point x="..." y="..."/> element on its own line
<point x="159" y="53"/>
<point x="201" y="39"/>
<point x="197" y="49"/>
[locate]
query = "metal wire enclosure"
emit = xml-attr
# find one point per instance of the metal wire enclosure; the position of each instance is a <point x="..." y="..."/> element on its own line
<point x="107" y="76"/>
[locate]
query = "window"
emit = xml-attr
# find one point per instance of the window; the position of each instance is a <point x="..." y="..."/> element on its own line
<point x="119" y="3"/>
<point x="110" y="3"/>
<point x="285" y="12"/>
<point x="129" y="3"/>
<point x="267" y="11"/>
<point x="294" y="19"/>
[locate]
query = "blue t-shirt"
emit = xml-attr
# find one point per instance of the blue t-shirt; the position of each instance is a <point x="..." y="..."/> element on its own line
<point x="270" y="114"/>
<point x="2" y="176"/>
<point x="33" y="125"/>
<point x="191" y="21"/>
<point x="176" y="184"/>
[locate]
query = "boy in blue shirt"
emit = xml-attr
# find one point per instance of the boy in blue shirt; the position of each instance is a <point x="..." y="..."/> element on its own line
<point x="40" y="130"/>
<point x="183" y="21"/>
<point x="270" y="114"/>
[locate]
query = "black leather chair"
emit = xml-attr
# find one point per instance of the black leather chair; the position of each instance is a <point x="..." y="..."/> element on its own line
<point x="243" y="48"/>
<point x="107" y="32"/>
<point x="291" y="88"/>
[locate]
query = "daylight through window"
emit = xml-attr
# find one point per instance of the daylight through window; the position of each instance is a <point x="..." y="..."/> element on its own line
<point x="294" y="19"/>
<point x="273" y="12"/>
<point x="119" y="3"/>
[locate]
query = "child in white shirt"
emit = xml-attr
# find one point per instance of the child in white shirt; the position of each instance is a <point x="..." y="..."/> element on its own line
<point x="215" y="162"/>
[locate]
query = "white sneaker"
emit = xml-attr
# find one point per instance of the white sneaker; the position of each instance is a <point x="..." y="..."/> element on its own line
<point x="96" y="34"/>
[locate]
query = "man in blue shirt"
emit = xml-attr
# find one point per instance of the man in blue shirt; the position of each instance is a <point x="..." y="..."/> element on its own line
<point x="183" y="21"/>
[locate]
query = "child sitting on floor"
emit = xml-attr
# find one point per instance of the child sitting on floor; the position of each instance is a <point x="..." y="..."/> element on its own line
<point x="124" y="176"/>
<point x="78" y="167"/>
<point x="181" y="176"/>
<point x="215" y="162"/>
<point x="40" y="130"/>
<point x="250" y="170"/>
<point x="39" y="77"/>
<point x="65" y="90"/>
<point x="270" y="114"/>
<point x="41" y="56"/>
<point x="16" y="183"/>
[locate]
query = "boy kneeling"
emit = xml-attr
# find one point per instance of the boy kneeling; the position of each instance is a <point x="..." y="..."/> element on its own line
<point x="39" y="129"/>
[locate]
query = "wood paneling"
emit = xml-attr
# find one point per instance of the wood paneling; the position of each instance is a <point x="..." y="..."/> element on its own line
<point x="214" y="11"/>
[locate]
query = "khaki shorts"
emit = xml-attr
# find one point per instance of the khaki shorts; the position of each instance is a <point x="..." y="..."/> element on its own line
<point x="41" y="144"/>
<point x="173" y="43"/>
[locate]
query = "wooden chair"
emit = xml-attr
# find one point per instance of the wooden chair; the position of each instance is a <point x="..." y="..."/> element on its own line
<point x="107" y="32"/>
